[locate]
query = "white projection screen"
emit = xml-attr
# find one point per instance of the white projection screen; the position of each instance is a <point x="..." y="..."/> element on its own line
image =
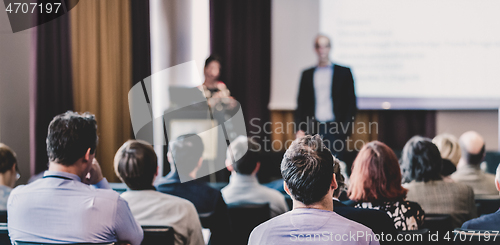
<point x="407" y="54"/>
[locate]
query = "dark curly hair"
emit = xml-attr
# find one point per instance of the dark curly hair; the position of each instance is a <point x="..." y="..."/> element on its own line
<point x="307" y="169"/>
<point x="420" y="160"/>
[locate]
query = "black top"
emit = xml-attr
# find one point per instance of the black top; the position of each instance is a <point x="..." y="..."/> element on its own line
<point x="376" y="220"/>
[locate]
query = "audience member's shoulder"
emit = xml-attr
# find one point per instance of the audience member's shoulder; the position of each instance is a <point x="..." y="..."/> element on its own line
<point x="353" y="224"/>
<point x="271" y="192"/>
<point x="341" y="67"/>
<point x="485" y="222"/>
<point x="460" y="187"/>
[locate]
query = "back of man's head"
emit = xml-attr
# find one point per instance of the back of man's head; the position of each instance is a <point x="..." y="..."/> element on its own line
<point x="69" y="137"/>
<point x="247" y="152"/>
<point x="7" y="158"/>
<point x="136" y="164"/>
<point x="186" y="152"/>
<point x="307" y="169"/>
<point x="473" y="147"/>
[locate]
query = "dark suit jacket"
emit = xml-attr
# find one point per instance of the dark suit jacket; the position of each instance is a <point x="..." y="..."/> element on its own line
<point x="206" y="200"/>
<point x="485" y="222"/>
<point x="376" y="220"/>
<point x="344" y="98"/>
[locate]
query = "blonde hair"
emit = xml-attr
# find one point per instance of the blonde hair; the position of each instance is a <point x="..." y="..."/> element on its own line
<point x="448" y="147"/>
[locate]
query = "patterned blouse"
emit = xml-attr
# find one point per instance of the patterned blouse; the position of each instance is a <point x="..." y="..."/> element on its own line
<point x="405" y="214"/>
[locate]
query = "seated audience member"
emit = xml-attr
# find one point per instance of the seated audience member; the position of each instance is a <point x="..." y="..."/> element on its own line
<point x="421" y="165"/>
<point x="185" y="157"/>
<point x="376" y="184"/>
<point x="61" y="207"/>
<point x="376" y="220"/>
<point x="136" y="165"/>
<point x="489" y="221"/>
<point x="307" y="169"/>
<point x="243" y="185"/>
<point x="8" y="173"/>
<point x="450" y="152"/>
<point x="468" y="168"/>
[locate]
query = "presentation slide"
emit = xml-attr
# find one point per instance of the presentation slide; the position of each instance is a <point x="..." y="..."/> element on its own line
<point x="426" y="54"/>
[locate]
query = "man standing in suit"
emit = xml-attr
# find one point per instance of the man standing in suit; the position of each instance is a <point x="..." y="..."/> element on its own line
<point x="326" y="104"/>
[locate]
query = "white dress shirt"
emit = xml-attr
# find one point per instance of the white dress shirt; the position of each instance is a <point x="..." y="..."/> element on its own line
<point x="246" y="189"/>
<point x="323" y="93"/>
<point x="59" y="208"/>
<point x="151" y="207"/>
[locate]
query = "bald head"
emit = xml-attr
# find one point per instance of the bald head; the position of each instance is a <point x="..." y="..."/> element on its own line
<point x="473" y="148"/>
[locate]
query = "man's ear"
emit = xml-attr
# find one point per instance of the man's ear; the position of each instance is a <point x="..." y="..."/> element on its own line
<point x="229" y="166"/>
<point x="497" y="184"/>
<point x="286" y="188"/>
<point x="334" y="184"/>
<point x="88" y="157"/>
<point x="170" y="158"/>
<point x="257" y="167"/>
<point x="200" y="162"/>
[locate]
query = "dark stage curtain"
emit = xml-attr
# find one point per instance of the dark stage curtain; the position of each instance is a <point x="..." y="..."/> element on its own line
<point x="51" y="88"/>
<point x="141" y="41"/>
<point x="240" y="32"/>
<point x="397" y="127"/>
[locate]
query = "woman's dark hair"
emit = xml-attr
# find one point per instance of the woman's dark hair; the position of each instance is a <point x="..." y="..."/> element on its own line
<point x="69" y="137"/>
<point x="136" y="164"/>
<point x="7" y="158"/>
<point x="211" y="58"/>
<point x="339" y="177"/>
<point x="376" y="175"/>
<point x="420" y="160"/>
<point x="307" y="169"/>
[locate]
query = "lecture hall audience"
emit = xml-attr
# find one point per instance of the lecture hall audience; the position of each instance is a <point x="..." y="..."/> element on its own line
<point x="376" y="220"/>
<point x="421" y="167"/>
<point x="468" y="169"/>
<point x="185" y="157"/>
<point x="136" y="165"/>
<point x="489" y="221"/>
<point x="61" y="207"/>
<point x="450" y="152"/>
<point x="243" y="185"/>
<point x="376" y="184"/>
<point x="8" y="173"/>
<point x="307" y="169"/>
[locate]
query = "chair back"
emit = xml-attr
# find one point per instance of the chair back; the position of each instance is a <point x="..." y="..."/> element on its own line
<point x="245" y="217"/>
<point x="158" y="235"/>
<point x="3" y="216"/>
<point x="4" y="234"/>
<point x="468" y="236"/>
<point x="487" y="206"/>
<point x="206" y="219"/>
<point x="438" y="222"/>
